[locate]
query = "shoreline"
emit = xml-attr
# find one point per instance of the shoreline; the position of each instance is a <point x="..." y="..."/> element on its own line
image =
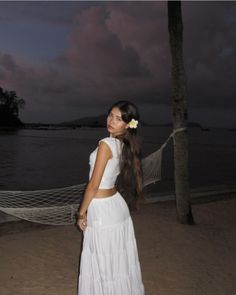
<point x="21" y="225"/>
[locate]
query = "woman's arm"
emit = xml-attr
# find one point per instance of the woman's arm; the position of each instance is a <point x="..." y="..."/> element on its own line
<point x="103" y="155"/>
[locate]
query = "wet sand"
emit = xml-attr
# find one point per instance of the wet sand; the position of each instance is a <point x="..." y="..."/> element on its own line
<point x="175" y="259"/>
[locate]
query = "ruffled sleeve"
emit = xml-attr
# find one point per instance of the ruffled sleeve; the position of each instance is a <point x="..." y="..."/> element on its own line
<point x="110" y="143"/>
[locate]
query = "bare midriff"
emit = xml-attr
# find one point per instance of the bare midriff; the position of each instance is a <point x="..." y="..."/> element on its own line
<point x="104" y="193"/>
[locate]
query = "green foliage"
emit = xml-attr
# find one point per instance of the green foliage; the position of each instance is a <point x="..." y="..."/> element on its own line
<point x="10" y="105"/>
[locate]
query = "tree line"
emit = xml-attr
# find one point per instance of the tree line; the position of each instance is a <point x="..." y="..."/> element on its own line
<point x="10" y="104"/>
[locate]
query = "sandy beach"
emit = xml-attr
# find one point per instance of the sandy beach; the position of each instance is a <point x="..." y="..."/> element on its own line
<point x="175" y="259"/>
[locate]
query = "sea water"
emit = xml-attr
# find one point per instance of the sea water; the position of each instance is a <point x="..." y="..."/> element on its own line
<point x="42" y="159"/>
<point x="45" y="159"/>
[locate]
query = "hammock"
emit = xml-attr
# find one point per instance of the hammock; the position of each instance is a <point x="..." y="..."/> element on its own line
<point x="59" y="206"/>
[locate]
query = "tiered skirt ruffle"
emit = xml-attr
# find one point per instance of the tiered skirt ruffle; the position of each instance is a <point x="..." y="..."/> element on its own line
<point x="109" y="260"/>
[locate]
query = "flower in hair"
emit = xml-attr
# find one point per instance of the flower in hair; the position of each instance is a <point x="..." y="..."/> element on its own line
<point x="133" y="123"/>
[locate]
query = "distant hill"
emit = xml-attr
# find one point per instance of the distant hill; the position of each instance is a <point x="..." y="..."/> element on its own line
<point x="100" y="121"/>
<point x="190" y="124"/>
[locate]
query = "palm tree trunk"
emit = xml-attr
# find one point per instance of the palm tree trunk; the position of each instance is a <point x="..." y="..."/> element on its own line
<point x="180" y="115"/>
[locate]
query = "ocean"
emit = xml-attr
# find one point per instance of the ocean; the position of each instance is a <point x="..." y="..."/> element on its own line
<point x="44" y="159"/>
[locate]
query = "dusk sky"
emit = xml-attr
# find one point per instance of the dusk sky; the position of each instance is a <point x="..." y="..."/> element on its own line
<point x="74" y="59"/>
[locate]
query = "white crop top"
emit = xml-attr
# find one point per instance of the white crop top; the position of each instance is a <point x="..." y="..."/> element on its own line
<point x="112" y="169"/>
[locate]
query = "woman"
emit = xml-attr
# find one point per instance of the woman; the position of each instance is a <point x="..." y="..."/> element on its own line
<point x="109" y="260"/>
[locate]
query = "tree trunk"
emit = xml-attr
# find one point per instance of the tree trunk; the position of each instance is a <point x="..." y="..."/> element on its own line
<point x="180" y="115"/>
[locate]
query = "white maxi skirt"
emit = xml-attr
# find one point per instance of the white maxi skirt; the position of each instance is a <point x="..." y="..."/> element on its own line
<point x="109" y="262"/>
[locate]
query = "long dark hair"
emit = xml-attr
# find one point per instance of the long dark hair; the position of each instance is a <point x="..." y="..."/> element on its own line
<point x="130" y="180"/>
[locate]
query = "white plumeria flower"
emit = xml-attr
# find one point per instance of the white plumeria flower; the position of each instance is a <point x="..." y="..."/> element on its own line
<point x="133" y="123"/>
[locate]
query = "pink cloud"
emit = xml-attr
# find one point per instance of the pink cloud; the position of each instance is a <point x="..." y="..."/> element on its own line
<point x="121" y="50"/>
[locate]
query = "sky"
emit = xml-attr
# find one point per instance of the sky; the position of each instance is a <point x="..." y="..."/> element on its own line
<point x="73" y="59"/>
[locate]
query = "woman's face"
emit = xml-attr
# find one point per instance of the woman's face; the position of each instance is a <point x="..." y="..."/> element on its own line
<point x="115" y="124"/>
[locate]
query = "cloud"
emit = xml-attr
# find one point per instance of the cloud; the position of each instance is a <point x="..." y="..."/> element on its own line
<point x="209" y="44"/>
<point x="95" y="49"/>
<point x="105" y="67"/>
<point x="51" y="12"/>
<point x="121" y="50"/>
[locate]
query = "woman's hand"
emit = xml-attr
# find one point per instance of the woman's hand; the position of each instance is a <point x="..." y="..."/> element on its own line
<point x="82" y="223"/>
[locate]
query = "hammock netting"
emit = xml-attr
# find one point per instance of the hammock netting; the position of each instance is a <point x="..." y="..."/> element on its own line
<point x="58" y="206"/>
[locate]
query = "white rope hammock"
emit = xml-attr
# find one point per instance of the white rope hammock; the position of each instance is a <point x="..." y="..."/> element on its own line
<point x="59" y="206"/>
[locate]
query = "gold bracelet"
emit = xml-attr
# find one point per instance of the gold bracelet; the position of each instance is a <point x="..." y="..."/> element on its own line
<point x="81" y="215"/>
